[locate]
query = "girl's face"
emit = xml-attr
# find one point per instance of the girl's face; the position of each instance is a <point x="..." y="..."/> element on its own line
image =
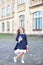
<point x="21" y="30"/>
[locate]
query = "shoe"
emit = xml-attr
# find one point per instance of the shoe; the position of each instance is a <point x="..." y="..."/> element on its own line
<point x="22" y="61"/>
<point x="15" y="60"/>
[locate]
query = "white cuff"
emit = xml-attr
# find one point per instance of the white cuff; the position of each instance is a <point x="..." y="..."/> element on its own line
<point x="26" y="45"/>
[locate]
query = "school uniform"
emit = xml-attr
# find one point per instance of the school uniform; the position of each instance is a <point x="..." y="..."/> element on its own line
<point x="21" y="43"/>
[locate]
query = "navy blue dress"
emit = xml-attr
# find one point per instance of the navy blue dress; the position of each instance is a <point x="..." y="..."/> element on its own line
<point x="23" y="43"/>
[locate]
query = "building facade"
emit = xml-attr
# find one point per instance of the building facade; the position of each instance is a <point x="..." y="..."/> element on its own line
<point x="25" y="13"/>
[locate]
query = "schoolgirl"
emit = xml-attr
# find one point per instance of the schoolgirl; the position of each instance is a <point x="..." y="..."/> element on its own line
<point x="22" y="46"/>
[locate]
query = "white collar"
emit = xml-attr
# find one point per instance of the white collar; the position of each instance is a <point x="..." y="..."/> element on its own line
<point x="21" y="33"/>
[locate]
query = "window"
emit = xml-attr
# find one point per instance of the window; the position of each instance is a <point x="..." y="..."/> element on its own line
<point x="0" y="12"/>
<point x="3" y="27"/>
<point x="12" y="25"/>
<point x="2" y="1"/>
<point x="14" y="8"/>
<point x="8" y="26"/>
<point x="38" y="20"/>
<point x="3" y="12"/>
<point x="9" y="10"/>
<point x="22" y="1"/>
<point x="22" y="19"/>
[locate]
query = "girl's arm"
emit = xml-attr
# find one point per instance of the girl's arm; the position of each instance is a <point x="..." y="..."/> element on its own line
<point x="26" y="44"/>
<point x="26" y="41"/>
<point x="17" y="37"/>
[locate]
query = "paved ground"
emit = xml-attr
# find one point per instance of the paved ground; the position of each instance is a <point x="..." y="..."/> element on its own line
<point x="34" y="56"/>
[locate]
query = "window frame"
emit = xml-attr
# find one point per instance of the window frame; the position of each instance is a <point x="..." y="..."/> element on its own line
<point x="22" y="19"/>
<point x="3" y="12"/>
<point x="8" y="26"/>
<point x="9" y="10"/>
<point x="21" y="2"/>
<point x="12" y="25"/>
<point x="3" y="26"/>
<point x="40" y="22"/>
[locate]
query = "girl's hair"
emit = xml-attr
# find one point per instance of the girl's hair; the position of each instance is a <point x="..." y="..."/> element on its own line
<point x="18" y="31"/>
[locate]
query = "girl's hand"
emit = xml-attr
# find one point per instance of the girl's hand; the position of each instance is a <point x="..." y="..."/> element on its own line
<point x="27" y="50"/>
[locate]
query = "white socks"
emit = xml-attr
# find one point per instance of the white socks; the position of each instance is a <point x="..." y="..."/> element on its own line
<point x="22" y="61"/>
<point x="15" y="60"/>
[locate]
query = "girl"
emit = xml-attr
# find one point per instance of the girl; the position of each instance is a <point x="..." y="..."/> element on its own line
<point x="22" y="46"/>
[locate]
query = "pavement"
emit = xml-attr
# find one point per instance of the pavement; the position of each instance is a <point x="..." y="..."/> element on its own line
<point x="33" y="57"/>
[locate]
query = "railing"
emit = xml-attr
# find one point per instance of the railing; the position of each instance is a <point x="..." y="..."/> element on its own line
<point x="35" y="2"/>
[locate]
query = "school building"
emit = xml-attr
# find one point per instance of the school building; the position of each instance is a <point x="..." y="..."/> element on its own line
<point x="25" y="13"/>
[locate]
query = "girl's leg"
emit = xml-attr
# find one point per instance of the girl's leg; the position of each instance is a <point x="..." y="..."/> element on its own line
<point x="18" y="55"/>
<point x="22" y="58"/>
<point x="15" y="58"/>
